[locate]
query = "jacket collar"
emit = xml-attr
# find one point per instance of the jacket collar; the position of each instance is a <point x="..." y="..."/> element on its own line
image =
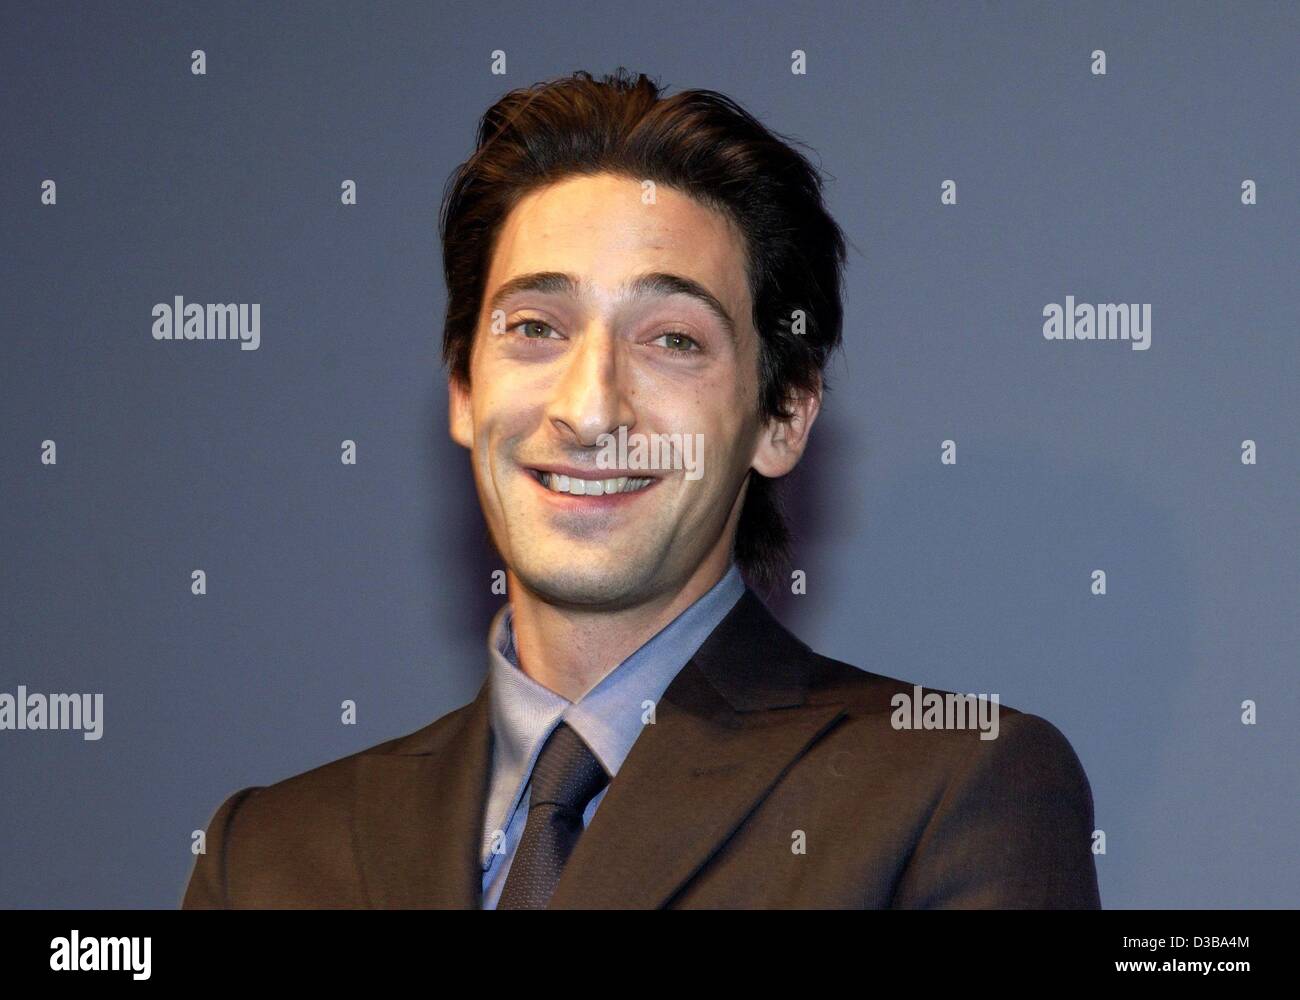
<point x="732" y="720"/>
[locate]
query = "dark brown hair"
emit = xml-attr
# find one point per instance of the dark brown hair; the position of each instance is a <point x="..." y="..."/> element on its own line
<point x="704" y="144"/>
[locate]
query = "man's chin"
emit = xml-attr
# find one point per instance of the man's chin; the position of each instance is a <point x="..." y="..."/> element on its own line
<point x="586" y="582"/>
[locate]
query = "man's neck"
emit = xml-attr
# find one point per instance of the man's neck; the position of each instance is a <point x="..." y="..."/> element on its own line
<point x="570" y="652"/>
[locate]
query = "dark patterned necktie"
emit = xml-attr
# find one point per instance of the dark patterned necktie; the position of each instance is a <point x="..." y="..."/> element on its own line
<point x="566" y="777"/>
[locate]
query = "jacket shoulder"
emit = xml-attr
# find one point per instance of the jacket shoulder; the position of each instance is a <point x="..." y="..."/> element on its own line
<point x="306" y="816"/>
<point x="869" y="692"/>
<point x="942" y="731"/>
<point x="996" y="814"/>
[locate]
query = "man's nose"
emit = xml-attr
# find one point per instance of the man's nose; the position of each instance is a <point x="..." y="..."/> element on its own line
<point x="591" y="397"/>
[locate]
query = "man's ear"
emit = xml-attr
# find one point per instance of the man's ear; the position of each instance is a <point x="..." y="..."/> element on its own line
<point x="781" y="443"/>
<point x="460" y="415"/>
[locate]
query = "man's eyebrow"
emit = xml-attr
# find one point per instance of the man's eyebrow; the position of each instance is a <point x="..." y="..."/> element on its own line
<point x="546" y="282"/>
<point x="649" y="284"/>
<point x="661" y="283"/>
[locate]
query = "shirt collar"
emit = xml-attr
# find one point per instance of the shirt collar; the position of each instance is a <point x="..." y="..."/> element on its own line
<point x="608" y="717"/>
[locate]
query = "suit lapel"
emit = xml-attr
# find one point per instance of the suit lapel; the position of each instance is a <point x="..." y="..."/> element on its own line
<point x="426" y="855"/>
<point x="730" y="723"/>
<point x="727" y="727"/>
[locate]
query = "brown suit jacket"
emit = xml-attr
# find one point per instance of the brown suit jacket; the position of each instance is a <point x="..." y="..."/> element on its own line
<point x="756" y="739"/>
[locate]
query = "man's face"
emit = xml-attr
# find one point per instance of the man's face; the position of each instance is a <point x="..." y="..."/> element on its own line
<point x="558" y="363"/>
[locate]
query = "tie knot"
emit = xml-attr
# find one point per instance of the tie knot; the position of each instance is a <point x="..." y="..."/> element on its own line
<point x="567" y="774"/>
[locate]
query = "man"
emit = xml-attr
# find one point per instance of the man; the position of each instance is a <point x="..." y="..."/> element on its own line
<point x="626" y="270"/>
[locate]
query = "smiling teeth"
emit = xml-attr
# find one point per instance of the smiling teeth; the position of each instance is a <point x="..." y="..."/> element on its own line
<point x="591" y="487"/>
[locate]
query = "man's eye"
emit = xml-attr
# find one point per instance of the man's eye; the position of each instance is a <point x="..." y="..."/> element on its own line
<point x="535" y="329"/>
<point x="678" y="342"/>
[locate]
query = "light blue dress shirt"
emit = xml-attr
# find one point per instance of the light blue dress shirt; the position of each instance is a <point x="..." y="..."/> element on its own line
<point x="608" y="717"/>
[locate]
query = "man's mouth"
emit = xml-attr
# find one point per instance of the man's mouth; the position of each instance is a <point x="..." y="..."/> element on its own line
<point x="559" y="483"/>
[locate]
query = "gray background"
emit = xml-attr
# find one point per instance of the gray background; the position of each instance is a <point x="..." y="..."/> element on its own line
<point x="371" y="582"/>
